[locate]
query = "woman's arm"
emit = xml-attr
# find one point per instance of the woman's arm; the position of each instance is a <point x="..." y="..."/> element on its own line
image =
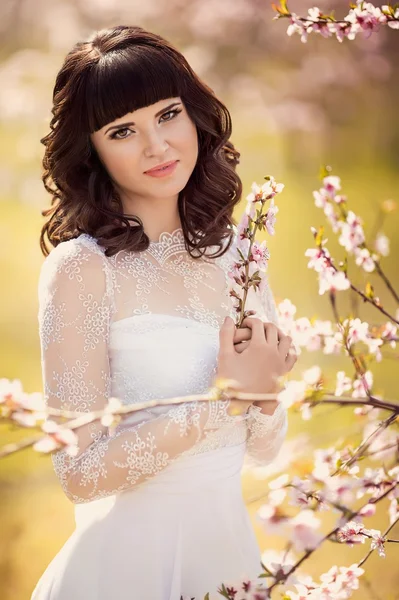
<point x="75" y="309"/>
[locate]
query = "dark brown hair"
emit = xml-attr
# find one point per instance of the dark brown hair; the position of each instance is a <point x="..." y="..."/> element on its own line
<point x="116" y="71"/>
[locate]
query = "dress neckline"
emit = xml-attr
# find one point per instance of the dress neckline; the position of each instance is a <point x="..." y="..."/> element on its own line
<point x="166" y="237"/>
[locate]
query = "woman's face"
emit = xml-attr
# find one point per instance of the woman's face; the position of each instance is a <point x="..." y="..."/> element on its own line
<point x="146" y="138"/>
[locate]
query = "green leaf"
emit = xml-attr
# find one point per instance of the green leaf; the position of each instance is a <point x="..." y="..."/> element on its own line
<point x="319" y="236"/>
<point x="324" y="172"/>
<point x="369" y="291"/>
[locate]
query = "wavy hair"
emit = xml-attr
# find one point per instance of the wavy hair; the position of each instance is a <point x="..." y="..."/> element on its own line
<point x="116" y="71"/>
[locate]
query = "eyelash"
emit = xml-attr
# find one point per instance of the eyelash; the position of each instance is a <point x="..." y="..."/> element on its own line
<point x="175" y="112"/>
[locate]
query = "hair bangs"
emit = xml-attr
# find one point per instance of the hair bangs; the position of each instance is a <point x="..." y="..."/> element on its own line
<point x="128" y="79"/>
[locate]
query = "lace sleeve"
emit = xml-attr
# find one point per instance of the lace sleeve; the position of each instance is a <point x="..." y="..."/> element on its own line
<point x="266" y="433"/>
<point x="75" y="310"/>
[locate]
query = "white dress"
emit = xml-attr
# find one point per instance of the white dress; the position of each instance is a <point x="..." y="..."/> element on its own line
<point x="158" y="502"/>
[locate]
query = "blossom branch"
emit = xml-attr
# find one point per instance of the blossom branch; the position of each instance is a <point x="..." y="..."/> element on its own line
<point x="363" y="17"/>
<point x="369" y="553"/>
<point x="283" y="576"/>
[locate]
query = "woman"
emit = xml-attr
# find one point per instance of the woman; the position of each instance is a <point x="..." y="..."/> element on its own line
<point x="132" y="302"/>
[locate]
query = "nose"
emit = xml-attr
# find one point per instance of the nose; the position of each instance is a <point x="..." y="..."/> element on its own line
<point x="155" y="143"/>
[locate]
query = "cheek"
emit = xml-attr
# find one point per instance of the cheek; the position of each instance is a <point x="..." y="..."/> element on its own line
<point x="189" y="142"/>
<point x="120" y="161"/>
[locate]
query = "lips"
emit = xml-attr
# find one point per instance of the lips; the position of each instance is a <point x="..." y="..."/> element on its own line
<point x="160" y="167"/>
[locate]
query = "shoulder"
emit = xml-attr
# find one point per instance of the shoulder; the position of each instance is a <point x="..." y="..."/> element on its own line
<point x="79" y="260"/>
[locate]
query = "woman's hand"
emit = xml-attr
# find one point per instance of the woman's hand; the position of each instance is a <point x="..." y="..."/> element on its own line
<point x="257" y="368"/>
<point x="243" y="334"/>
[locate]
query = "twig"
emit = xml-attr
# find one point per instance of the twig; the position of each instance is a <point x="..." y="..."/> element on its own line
<point x="370" y="552"/>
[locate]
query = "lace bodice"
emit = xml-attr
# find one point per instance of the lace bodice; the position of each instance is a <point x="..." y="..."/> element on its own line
<point x="138" y="326"/>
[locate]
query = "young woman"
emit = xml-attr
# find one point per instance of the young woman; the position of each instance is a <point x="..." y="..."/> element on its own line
<point x="133" y="297"/>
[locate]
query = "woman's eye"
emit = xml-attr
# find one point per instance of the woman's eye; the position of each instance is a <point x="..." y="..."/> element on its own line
<point x="173" y="112"/>
<point x="116" y="134"/>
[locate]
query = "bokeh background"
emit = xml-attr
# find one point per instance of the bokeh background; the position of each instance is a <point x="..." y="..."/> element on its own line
<point x="294" y="107"/>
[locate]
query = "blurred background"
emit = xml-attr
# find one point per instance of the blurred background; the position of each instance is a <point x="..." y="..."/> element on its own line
<point x="294" y="107"/>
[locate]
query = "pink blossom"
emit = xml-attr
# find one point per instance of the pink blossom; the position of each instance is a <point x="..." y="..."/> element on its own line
<point x="319" y="259"/>
<point x="279" y="482"/>
<point x="352" y="533"/>
<point x="260" y="254"/>
<point x="270" y="218"/>
<point x="312" y="376"/>
<point x="340" y="489"/>
<point x="286" y="310"/>
<point x="299" y="492"/>
<point x="368" y="510"/>
<point x="390" y="332"/>
<point x="325" y="462"/>
<point x="272" y="519"/>
<point x="374" y="345"/>
<point x="357" y="332"/>
<point x="381" y="243"/>
<point x="377" y="542"/>
<point x="243" y="225"/>
<point x="333" y="344"/>
<point x="266" y="191"/>
<point x="393" y="510"/>
<point x="303" y="531"/>
<point x="332" y="218"/>
<point x="364" y="259"/>
<point x="276" y="562"/>
<point x="332" y="184"/>
<point x="331" y="280"/>
<point x="321" y="198"/>
<point x="58" y="437"/>
<point x="293" y="393"/>
<point x="344" y="383"/>
<point x="362" y="385"/>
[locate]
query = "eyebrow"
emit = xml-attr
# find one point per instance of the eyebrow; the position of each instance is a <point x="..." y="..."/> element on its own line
<point x="158" y="114"/>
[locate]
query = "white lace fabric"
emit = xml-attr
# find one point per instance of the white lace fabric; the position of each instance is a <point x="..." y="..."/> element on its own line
<point x="140" y="326"/>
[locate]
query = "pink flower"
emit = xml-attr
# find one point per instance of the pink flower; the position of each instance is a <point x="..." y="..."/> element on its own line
<point x="260" y="254"/>
<point x="293" y="393"/>
<point x="358" y="330"/>
<point x="331" y="280"/>
<point x="272" y="518"/>
<point x="332" y="184"/>
<point x="368" y="510"/>
<point x="319" y="259"/>
<point x="270" y="218"/>
<point x="58" y="437"/>
<point x="364" y="259"/>
<point x="352" y="533"/>
<point x="303" y="531"/>
<point x="390" y="332"/>
<point x="362" y="385"/>
<point x="377" y="542"/>
<point x="381" y="243"/>
<point x="352" y="234"/>
<point x="344" y="383"/>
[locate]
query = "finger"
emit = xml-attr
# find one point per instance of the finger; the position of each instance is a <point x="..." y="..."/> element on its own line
<point x="257" y="329"/>
<point x="241" y="347"/>
<point x="272" y="333"/>
<point x="284" y="345"/>
<point x="242" y="334"/>
<point x="291" y="360"/>
<point x="226" y="336"/>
